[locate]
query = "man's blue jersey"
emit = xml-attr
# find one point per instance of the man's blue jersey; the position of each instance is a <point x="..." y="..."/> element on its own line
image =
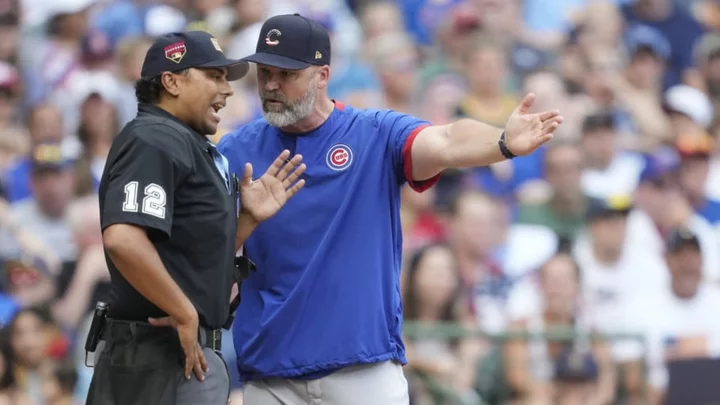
<point x="326" y="292"/>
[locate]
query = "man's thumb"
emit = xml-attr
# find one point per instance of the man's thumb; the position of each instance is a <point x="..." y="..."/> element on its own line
<point x="247" y="175"/>
<point x="526" y="103"/>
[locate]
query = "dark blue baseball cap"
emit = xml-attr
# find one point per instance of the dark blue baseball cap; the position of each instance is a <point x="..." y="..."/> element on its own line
<point x="292" y="42"/>
<point x="192" y="49"/>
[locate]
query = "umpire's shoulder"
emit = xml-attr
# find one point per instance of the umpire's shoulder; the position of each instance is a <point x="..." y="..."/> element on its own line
<point x="161" y="138"/>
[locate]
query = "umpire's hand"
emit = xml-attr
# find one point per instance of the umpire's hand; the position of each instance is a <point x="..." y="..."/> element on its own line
<point x="188" y="333"/>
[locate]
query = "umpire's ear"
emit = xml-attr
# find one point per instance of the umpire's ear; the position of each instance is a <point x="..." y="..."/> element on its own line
<point x="323" y="73"/>
<point x="171" y="82"/>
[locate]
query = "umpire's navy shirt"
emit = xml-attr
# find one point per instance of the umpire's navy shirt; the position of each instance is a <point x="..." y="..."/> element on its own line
<point x="326" y="293"/>
<point x="161" y="175"/>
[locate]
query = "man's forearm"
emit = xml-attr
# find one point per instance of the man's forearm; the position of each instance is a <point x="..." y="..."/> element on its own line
<point x="137" y="260"/>
<point x="246" y="226"/>
<point x="464" y="143"/>
<point x="472" y="143"/>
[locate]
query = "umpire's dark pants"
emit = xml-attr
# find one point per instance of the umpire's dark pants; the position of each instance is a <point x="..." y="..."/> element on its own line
<point x="143" y="365"/>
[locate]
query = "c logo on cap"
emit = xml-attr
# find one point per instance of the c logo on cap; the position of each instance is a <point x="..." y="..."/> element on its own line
<point x="269" y="38"/>
<point x="339" y="157"/>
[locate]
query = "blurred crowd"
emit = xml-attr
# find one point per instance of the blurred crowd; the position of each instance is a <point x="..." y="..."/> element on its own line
<point x="612" y="228"/>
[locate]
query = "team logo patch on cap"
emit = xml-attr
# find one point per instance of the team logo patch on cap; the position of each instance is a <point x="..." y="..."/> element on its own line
<point x="339" y="157"/>
<point x="175" y="52"/>
<point x="272" y="37"/>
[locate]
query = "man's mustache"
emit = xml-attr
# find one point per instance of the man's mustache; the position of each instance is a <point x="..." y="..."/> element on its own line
<point x="274" y="96"/>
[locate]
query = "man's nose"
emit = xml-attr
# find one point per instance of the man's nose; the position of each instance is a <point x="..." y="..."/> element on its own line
<point x="227" y="89"/>
<point x="271" y="85"/>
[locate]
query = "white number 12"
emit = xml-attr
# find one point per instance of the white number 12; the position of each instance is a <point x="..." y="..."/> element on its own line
<point x="153" y="203"/>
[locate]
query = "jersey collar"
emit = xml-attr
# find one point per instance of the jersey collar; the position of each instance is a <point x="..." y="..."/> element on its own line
<point x="157" y="111"/>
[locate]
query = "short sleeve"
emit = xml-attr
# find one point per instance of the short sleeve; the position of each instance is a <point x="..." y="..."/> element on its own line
<point x="141" y="186"/>
<point x="401" y="130"/>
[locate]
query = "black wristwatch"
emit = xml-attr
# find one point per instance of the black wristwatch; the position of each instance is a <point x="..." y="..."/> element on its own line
<point x="503" y="147"/>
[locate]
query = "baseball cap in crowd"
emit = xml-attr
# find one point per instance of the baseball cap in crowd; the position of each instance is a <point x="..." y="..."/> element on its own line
<point x="640" y="36"/>
<point x="680" y="238"/>
<point x="599" y="208"/>
<point x="694" y="145"/>
<point x="598" y="120"/>
<point x="659" y="164"/>
<point x="691" y="102"/>
<point x="50" y="157"/>
<point x="191" y="49"/>
<point x="576" y="366"/>
<point x="292" y="42"/>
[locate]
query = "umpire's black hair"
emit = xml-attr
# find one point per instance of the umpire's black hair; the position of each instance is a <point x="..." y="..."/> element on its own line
<point x="148" y="90"/>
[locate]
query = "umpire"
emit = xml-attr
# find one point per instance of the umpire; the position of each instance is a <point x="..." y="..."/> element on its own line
<point x="169" y="213"/>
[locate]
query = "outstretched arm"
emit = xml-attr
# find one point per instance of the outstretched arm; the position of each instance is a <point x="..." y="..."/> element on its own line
<point x="470" y="143"/>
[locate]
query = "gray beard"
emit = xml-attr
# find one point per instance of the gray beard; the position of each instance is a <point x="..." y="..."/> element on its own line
<point x="292" y="112"/>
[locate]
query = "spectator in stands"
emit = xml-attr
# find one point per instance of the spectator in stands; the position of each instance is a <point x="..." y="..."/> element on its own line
<point x="98" y="126"/>
<point x="689" y="109"/>
<point x="576" y="378"/>
<point x="130" y="52"/>
<point x="44" y="122"/>
<point x="693" y="173"/>
<point x="8" y="386"/>
<point x="34" y="339"/>
<point x="28" y="281"/>
<point x="421" y="224"/>
<point x="53" y="186"/>
<point x="433" y="294"/>
<point x="608" y="170"/>
<point x="84" y="282"/>
<point x="679" y="322"/>
<point x="677" y="25"/>
<point x="707" y="61"/>
<point x="396" y="60"/>
<point x="59" y="380"/>
<point x="532" y="364"/>
<point x="661" y="207"/>
<point x="564" y="211"/>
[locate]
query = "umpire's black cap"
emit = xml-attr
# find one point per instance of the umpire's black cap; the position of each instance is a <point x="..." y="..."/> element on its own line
<point x="292" y="42"/>
<point x="192" y="49"/>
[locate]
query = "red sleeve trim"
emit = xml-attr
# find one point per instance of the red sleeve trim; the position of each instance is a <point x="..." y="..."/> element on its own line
<point x="416" y="185"/>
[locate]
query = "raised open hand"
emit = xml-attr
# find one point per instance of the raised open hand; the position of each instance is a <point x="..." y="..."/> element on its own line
<point x="264" y="197"/>
<point x="525" y="132"/>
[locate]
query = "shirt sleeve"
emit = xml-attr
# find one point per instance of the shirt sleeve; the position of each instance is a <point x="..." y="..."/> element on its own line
<point x="401" y="130"/>
<point x="141" y="187"/>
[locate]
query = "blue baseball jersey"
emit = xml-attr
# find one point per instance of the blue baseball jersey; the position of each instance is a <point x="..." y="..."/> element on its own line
<point x="326" y="293"/>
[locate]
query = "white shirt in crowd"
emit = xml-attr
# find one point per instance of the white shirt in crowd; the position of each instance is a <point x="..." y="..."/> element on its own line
<point x="644" y="236"/>
<point x="663" y="318"/>
<point x="620" y="177"/>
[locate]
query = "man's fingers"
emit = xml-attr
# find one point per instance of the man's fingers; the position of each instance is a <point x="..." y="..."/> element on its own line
<point x="550" y="128"/>
<point x="166" y="321"/>
<point x="189" y="362"/>
<point x="289" y="167"/>
<point x="543" y="139"/>
<point x="549" y="115"/>
<point x="203" y="360"/>
<point x="275" y="167"/>
<point x="198" y="367"/>
<point x="294" y="175"/>
<point x="247" y="175"/>
<point x="294" y="189"/>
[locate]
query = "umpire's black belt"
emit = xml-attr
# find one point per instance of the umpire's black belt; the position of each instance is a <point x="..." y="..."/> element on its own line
<point x="210" y="338"/>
